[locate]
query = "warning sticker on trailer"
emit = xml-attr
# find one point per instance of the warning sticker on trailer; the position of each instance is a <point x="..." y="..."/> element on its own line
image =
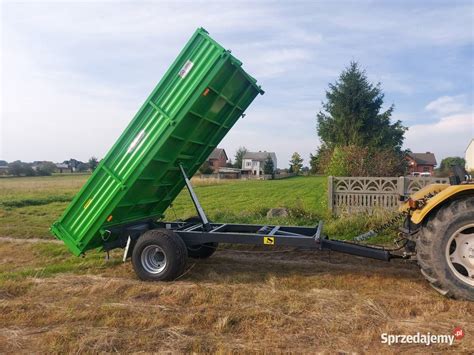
<point x="186" y="69"/>
<point x="269" y="240"/>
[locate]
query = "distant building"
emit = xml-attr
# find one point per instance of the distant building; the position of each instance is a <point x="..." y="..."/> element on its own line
<point x="217" y="159"/>
<point x="421" y="163"/>
<point x="469" y="156"/>
<point x="62" y="167"/>
<point x="254" y="162"/>
<point x="229" y="173"/>
<point x="37" y="163"/>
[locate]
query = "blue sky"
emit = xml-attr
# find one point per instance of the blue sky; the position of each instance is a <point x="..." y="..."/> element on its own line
<point x="74" y="73"/>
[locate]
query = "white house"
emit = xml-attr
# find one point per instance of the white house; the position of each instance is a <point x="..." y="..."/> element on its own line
<point x="254" y="162"/>
<point x="469" y="156"/>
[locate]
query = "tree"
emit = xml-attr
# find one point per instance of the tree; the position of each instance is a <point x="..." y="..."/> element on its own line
<point x="352" y="114"/>
<point x="239" y="155"/>
<point x="83" y="167"/>
<point x="319" y="161"/>
<point x="3" y="163"/>
<point x="46" y="168"/>
<point x="73" y="164"/>
<point x="268" y="166"/>
<point x="206" y="168"/>
<point x="447" y="163"/>
<point x="18" y="168"/>
<point x="296" y="162"/>
<point x="93" y="162"/>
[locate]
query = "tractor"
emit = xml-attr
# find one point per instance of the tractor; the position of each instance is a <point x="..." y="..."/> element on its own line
<point x="439" y="226"/>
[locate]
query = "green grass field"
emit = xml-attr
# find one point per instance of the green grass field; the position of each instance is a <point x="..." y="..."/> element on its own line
<point x="28" y="206"/>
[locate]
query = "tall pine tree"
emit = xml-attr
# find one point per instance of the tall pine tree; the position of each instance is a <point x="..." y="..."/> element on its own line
<point x="353" y="114"/>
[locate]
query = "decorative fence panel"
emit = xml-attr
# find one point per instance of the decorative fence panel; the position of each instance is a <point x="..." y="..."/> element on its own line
<point x="356" y="194"/>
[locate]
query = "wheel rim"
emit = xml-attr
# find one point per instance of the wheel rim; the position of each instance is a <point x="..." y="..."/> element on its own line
<point x="460" y="254"/>
<point x="153" y="259"/>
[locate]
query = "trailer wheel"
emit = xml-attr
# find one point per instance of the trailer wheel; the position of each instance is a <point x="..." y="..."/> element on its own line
<point x="445" y="249"/>
<point x="159" y="255"/>
<point x="202" y="251"/>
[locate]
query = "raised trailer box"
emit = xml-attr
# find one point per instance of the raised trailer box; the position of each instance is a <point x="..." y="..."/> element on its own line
<point x="201" y="96"/>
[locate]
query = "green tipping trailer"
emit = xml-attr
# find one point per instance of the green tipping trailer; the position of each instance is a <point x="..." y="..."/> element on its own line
<point x="196" y="103"/>
<point x="199" y="99"/>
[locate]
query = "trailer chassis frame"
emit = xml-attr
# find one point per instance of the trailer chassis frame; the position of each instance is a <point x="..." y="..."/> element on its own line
<point x="197" y="233"/>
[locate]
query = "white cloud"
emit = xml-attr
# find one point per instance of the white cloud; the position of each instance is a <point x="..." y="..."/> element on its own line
<point x="446" y="105"/>
<point x="275" y="63"/>
<point x="452" y="129"/>
<point x="448" y="136"/>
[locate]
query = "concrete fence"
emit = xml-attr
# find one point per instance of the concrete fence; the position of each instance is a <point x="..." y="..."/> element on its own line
<point x="356" y="194"/>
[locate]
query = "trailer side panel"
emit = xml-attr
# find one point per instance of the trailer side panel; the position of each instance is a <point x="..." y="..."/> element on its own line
<point x="197" y="102"/>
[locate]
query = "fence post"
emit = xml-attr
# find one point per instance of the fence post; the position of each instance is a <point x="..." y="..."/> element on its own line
<point x="401" y="185"/>
<point x="330" y="193"/>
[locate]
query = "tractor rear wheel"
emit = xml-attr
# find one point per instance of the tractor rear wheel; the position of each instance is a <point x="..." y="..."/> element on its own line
<point x="445" y="249"/>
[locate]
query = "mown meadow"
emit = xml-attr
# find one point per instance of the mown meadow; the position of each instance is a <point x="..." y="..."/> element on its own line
<point x="240" y="300"/>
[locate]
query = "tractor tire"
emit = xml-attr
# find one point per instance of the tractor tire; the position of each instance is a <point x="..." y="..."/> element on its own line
<point x="200" y="251"/>
<point x="159" y="255"/>
<point x="445" y="249"/>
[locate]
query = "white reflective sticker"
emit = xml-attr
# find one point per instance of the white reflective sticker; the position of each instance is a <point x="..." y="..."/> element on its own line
<point x="186" y="69"/>
<point x="135" y="142"/>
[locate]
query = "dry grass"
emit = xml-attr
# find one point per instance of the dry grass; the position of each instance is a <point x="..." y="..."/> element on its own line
<point x="298" y="301"/>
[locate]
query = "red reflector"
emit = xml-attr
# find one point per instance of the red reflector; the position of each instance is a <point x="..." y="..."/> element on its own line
<point x="205" y="92"/>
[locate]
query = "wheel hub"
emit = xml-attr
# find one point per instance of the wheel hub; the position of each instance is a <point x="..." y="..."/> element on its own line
<point x="460" y="254"/>
<point x="153" y="259"/>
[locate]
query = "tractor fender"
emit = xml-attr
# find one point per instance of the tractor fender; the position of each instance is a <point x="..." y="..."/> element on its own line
<point x="443" y="193"/>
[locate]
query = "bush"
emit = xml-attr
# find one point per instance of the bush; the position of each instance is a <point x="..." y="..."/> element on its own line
<point x="206" y="168"/>
<point x="45" y="169"/>
<point x="339" y="163"/>
<point x="320" y="160"/>
<point x="362" y="161"/>
<point x="82" y="167"/>
<point x="18" y="168"/>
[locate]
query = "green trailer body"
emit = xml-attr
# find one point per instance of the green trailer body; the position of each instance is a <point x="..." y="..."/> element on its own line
<point x="199" y="99"/>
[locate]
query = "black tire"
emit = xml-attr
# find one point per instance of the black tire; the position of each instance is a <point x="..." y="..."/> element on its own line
<point x="159" y="255"/>
<point x="200" y="251"/>
<point x="434" y="257"/>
